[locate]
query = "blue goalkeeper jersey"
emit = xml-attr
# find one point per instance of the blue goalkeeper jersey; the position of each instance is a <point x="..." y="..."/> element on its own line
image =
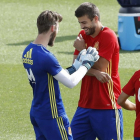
<point x="41" y="65"/>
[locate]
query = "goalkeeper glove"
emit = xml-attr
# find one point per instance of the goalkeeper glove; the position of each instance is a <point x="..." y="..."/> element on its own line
<point x="90" y="57"/>
<point x="77" y="63"/>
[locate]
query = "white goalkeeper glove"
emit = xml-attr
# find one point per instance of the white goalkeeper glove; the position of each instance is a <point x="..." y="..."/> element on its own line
<point x="90" y="57"/>
<point x="77" y="63"/>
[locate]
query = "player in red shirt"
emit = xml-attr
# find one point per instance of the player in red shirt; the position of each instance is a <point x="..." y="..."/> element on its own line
<point x="98" y="114"/>
<point x="130" y="89"/>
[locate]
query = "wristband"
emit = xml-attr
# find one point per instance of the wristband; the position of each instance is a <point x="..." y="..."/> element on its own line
<point x="71" y="70"/>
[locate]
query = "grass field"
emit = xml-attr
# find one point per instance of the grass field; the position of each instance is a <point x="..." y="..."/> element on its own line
<point x="17" y="29"/>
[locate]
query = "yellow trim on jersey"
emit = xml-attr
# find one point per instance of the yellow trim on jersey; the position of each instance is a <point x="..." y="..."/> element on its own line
<point x="52" y="96"/>
<point x="110" y="86"/>
<point x="117" y="124"/>
<point x="62" y="128"/>
<point x="112" y="98"/>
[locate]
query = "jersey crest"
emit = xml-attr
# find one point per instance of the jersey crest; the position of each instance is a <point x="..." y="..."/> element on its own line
<point x="96" y="45"/>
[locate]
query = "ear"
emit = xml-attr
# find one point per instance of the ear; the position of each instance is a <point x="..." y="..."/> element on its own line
<point x="53" y="28"/>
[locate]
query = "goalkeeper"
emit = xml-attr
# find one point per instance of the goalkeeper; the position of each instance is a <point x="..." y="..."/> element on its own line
<point x="47" y="113"/>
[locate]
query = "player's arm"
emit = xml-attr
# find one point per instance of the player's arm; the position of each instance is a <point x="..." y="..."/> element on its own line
<point x="101" y="64"/>
<point x="125" y="103"/>
<point x="98" y="70"/>
<point x="72" y="80"/>
<point x="73" y="75"/>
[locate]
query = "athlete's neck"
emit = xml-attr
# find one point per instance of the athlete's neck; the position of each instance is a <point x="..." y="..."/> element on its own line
<point x="42" y="39"/>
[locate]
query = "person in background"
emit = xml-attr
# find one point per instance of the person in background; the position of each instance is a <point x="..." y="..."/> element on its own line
<point x="130" y="89"/>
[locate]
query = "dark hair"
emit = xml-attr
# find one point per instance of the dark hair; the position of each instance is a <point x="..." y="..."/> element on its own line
<point x="46" y="19"/>
<point x="88" y="9"/>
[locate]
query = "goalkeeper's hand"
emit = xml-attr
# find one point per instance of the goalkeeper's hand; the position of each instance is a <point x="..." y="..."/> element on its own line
<point x="77" y="63"/>
<point x="90" y="57"/>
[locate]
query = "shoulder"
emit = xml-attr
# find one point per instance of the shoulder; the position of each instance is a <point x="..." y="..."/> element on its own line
<point x="108" y="33"/>
<point x="46" y="53"/>
<point x="45" y="56"/>
<point x="137" y="74"/>
<point x="135" y="77"/>
<point x="108" y="36"/>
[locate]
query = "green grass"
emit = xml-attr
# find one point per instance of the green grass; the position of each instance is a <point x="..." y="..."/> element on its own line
<point x="18" y="28"/>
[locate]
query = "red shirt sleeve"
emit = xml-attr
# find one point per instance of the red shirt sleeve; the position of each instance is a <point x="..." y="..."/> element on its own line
<point x="129" y="88"/>
<point x="108" y="45"/>
<point x="76" y="52"/>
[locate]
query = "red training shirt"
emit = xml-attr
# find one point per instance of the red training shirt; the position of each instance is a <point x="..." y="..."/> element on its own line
<point x="94" y="94"/>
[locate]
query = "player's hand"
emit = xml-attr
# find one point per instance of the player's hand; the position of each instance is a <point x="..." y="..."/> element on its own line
<point x="90" y="57"/>
<point x="81" y="55"/>
<point x="79" y="43"/>
<point x="102" y="76"/>
<point x="78" y="61"/>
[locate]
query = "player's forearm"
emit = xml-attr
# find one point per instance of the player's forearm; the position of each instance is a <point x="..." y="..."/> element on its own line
<point x="128" y="105"/>
<point x="92" y="72"/>
<point x="99" y="66"/>
<point x="72" y="80"/>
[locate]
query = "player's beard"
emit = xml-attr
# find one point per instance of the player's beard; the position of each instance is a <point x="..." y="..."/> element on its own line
<point x="52" y="39"/>
<point x="91" y="30"/>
